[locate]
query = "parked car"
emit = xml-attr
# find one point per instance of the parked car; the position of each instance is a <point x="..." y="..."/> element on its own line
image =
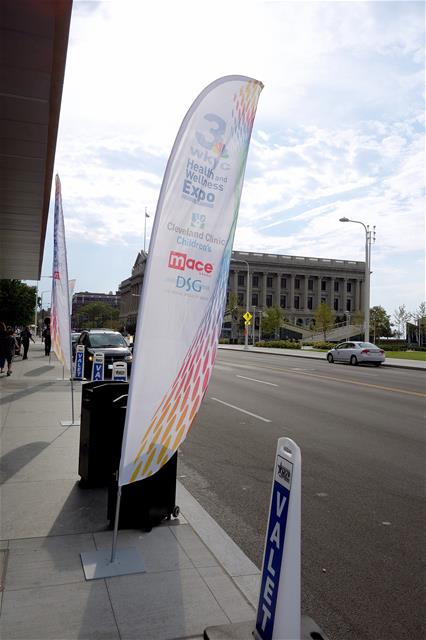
<point x="74" y="339"/>
<point x="110" y="343"/>
<point x="357" y="353"/>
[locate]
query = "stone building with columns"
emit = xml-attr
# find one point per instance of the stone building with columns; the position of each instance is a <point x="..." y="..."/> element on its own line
<point x="297" y="284"/>
<point x="294" y="283"/>
<point x="130" y="291"/>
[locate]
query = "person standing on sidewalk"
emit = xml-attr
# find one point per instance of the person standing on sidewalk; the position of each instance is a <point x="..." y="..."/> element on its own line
<point x="26" y="336"/>
<point x="46" y="337"/>
<point x="3" y="336"/>
<point x="8" y="346"/>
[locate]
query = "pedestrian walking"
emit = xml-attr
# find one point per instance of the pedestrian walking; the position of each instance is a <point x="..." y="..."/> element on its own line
<point x="26" y="336"/>
<point x="46" y="337"/>
<point x="8" y="346"/>
<point x="3" y="335"/>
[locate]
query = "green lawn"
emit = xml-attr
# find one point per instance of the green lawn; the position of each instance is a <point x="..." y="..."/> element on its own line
<point x="407" y="355"/>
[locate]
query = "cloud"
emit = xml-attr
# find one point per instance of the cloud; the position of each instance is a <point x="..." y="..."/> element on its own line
<point x="339" y="129"/>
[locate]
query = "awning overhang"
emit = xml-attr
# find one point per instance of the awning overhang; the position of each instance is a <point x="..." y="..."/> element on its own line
<point x="34" y="41"/>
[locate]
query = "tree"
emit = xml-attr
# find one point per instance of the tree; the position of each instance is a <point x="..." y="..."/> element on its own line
<point x="97" y="314"/>
<point x="236" y="314"/>
<point x="380" y="323"/>
<point x="323" y="318"/>
<point x="419" y="319"/>
<point x="357" y="319"/>
<point x="400" y="317"/>
<point x="17" y="303"/>
<point x="272" y="319"/>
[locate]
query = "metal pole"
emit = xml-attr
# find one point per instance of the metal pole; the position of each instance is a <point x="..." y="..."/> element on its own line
<point x="117" y="515"/>
<point x="144" y="235"/>
<point x="260" y="326"/>
<point x="247" y="303"/>
<point x="35" y="313"/>
<point x="254" y="325"/>
<point x="367" y="288"/>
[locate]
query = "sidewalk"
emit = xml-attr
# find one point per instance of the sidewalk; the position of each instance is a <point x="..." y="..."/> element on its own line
<point x="401" y="363"/>
<point x="196" y="577"/>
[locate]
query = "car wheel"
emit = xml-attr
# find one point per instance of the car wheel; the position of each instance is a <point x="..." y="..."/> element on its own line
<point x="377" y="364"/>
<point x="330" y="358"/>
<point x="354" y="361"/>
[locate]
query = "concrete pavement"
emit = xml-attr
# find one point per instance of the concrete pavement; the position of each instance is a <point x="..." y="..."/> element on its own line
<point x="196" y="577"/>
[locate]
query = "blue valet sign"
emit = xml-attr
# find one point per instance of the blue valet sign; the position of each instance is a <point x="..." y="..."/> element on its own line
<point x="98" y="366"/>
<point x="278" y="614"/>
<point x="119" y="371"/>
<point x="79" y="362"/>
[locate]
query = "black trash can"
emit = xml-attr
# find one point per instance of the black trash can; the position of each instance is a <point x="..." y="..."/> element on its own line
<point x="145" y="503"/>
<point x="101" y="429"/>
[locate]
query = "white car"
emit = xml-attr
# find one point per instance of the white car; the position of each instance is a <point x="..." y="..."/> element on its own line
<point x="356" y="353"/>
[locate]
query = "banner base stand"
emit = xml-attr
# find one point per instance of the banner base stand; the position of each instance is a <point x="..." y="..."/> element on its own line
<point x="97" y="564"/>
<point x="70" y="423"/>
<point x="245" y="631"/>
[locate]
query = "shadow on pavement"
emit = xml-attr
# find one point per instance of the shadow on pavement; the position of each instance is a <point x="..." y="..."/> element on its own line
<point x="15" y="460"/>
<point x="38" y="372"/>
<point x="12" y="397"/>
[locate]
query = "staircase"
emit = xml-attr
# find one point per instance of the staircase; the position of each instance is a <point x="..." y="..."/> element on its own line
<point x="335" y="334"/>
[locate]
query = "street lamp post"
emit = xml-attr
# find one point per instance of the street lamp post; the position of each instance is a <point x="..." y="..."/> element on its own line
<point x="144" y="235"/>
<point x="246" y="333"/>
<point x="254" y="325"/>
<point x="369" y="237"/>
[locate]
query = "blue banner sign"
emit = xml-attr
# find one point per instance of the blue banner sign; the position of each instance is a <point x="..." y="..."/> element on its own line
<point x="98" y="367"/>
<point x="274" y="549"/>
<point x="79" y="362"/>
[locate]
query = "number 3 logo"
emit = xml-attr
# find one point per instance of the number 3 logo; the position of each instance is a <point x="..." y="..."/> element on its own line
<point x="216" y="132"/>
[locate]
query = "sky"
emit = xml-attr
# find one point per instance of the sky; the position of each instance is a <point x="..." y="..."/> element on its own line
<point x="339" y="130"/>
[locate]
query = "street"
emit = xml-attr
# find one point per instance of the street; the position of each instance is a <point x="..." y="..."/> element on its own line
<point x="361" y="434"/>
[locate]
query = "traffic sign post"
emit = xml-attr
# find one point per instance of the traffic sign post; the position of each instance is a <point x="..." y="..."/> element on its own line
<point x="98" y="366"/>
<point x="79" y="362"/>
<point x="119" y="372"/>
<point x="279" y="613"/>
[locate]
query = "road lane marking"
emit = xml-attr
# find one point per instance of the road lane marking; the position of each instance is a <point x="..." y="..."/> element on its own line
<point x="271" y="384"/>
<point x="239" y="409"/>
<point x="349" y="381"/>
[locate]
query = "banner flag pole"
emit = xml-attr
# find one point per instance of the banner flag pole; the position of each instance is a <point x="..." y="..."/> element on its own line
<point x="116" y="519"/>
<point x="186" y="274"/>
<point x="186" y="277"/>
<point x="60" y="317"/>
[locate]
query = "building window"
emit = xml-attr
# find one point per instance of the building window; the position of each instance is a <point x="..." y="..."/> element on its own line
<point x="297" y="283"/>
<point x="296" y="302"/>
<point x="336" y="304"/>
<point x="283" y="283"/>
<point x="323" y="300"/>
<point x="348" y="305"/>
<point x="255" y="281"/>
<point x="323" y="285"/>
<point x="310" y="285"/>
<point x="254" y="299"/>
<point x="349" y="287"/>
<point x="269" y="300"/>
<point x="336" y="286"/>
<point x="283" y="302"/>
<point x="241" y="280"/>
<point x="240" y="300"/>
<point x="310" y="302"/>
<point x="269" y="281"/>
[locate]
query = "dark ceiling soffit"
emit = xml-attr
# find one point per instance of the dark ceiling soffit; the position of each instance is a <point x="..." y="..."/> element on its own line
<point x="62" y="10"/>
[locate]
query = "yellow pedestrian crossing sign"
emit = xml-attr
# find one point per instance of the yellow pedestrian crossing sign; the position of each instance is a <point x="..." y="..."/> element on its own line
<point x="247" y="317"/>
